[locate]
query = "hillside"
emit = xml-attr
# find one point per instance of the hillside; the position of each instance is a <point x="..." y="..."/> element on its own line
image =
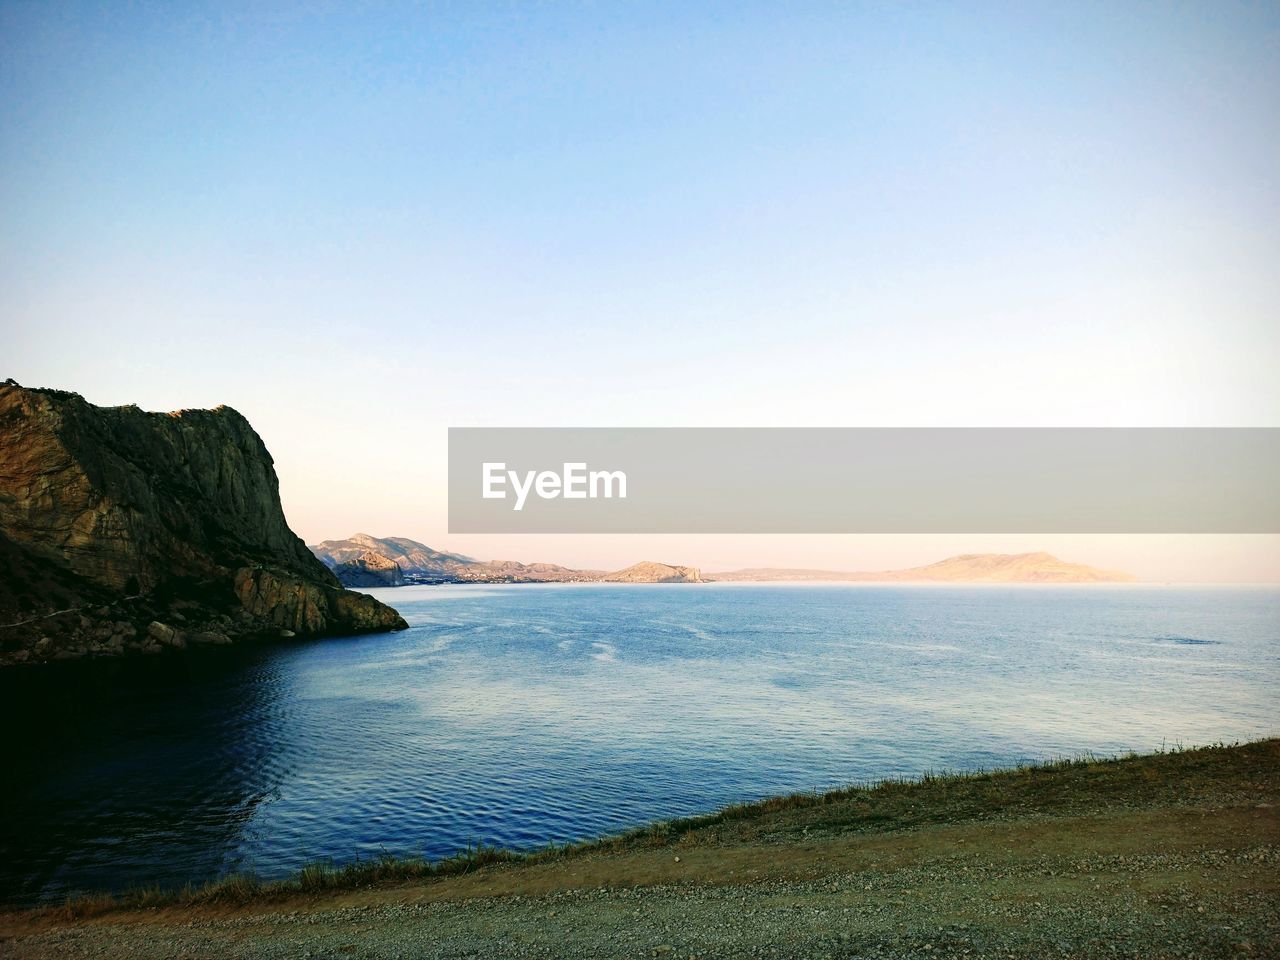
<point x="364" y="561"/>
<point x="1169" y="855"/>
<point x="127" y="531"/>
<point x="650" y="572"/>
<point x="411" y="557"/>
<point x="351" y="559"/>
<point x="354" y="561"/>
<point x="966" y="568"/>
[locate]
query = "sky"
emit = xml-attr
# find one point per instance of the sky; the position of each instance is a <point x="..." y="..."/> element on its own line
<point x="361" y="224"/>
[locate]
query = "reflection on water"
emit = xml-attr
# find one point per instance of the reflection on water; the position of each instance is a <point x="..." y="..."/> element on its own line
<point x="522" y="715"/>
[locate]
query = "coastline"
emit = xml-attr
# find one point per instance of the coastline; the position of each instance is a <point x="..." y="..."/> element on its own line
<point x="1147" y="828"/>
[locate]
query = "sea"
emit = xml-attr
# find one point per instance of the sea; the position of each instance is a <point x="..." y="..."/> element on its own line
<point x="524" y="715"/>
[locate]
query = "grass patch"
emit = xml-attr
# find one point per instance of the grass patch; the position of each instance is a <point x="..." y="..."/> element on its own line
<point x="316" y="877"/>
<point x="1236" y="773"/>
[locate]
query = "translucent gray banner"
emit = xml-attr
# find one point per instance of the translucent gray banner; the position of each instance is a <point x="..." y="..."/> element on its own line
<point x="749" y="480"/>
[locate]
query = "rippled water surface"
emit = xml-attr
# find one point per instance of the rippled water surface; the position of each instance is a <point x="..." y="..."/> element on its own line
<point x="521" y="715"/>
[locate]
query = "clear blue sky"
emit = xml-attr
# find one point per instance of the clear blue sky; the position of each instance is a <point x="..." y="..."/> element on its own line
<point x="361" y="224"/>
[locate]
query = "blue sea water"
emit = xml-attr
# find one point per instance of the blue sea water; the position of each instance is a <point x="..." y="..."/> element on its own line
<point x="522" y="715"/>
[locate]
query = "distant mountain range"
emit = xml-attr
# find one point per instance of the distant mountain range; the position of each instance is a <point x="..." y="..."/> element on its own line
<point x="365" y="561"/>
<point x="965" y="568"/>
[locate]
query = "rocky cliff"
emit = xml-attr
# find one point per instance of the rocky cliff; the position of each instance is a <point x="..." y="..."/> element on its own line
<point x="126" y="530"/>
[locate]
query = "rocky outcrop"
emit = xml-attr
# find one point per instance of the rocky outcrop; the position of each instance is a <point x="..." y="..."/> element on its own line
<point x="128" y="530"/>
<point x="306" y="607"/>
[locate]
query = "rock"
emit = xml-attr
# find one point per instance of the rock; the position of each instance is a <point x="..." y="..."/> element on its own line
<point x="211" y="637"/>
<point x="132" y="499"/>
<point x="159" y="632"/>
<point x="309" y="608"/>
<point x="114" y="515"/>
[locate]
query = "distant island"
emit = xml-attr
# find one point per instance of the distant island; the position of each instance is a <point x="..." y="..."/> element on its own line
<point x="365" y="561"/>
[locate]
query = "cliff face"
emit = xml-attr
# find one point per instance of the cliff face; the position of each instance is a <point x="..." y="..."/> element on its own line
<point x="149" y="518"/>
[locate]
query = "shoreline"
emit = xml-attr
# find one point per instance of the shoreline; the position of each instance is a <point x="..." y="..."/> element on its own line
<point x="1199" y="798"/>
<point x="908" y="584"/>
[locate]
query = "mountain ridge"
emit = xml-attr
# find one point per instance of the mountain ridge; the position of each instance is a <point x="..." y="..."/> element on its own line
<point x="1036" y="567"/>
<point x="441" y="567"/>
